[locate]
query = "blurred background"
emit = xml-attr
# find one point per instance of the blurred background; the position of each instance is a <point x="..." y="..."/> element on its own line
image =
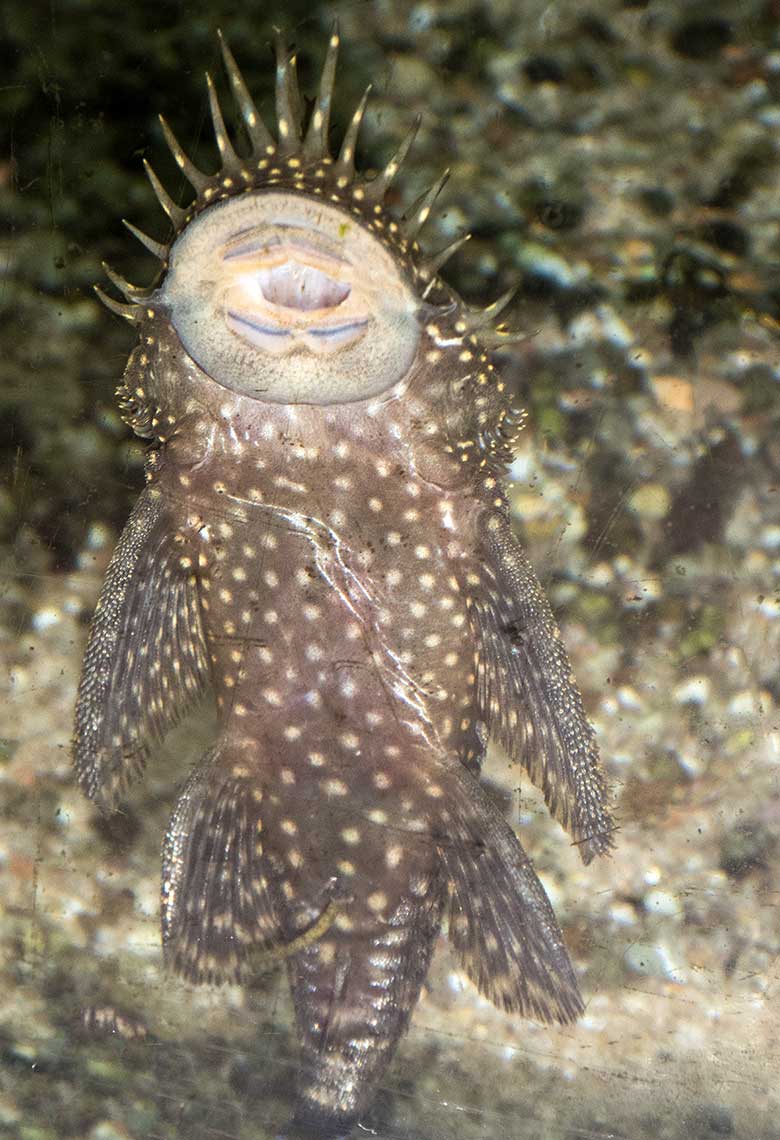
<point x="618" y="161"/>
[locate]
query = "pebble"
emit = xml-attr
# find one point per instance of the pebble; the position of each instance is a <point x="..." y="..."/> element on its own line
<point x="654" y="960"/>
<point x="770" y="537"/>
<point x="692" y="691"/>
<point x="674" y="393"/>
<point x="45" y="618"/>
<point x="622" y="914"/>
<point x="651" y="502"/>
<point x="745" y="703"/>
<point x="109" y="1130"/>
<point x="662" y="902"/>
<point x="600" y="325"/>
<point x="628" y="698"/>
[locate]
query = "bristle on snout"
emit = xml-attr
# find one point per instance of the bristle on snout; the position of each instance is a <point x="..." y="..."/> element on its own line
<point x="300" y="148"/>
<point x="297" y="157"/>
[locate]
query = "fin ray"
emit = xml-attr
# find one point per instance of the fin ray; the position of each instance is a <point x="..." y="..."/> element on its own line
<point x="528" y="695"/>
<point x="352" y="1006"/>
<point x="145" y="662"/>
<point x="501" y="922"/>
<point x="215" y="903"/>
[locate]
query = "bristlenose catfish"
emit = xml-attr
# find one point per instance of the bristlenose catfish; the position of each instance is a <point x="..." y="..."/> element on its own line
<point x="324" y="538"/>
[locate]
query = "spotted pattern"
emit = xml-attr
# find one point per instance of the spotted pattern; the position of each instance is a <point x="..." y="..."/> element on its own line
<point x="344" y="576"/>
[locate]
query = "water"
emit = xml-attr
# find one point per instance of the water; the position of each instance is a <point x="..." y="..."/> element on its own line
<point x="622" y="168"/>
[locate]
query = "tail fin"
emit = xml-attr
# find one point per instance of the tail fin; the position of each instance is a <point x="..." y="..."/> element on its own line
<point x="354" y="995"/>
<point x="215" y="902"/>
<point x="501" y="921"/>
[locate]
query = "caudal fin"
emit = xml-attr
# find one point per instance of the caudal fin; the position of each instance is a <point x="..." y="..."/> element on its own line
<point x="354" y="995"/>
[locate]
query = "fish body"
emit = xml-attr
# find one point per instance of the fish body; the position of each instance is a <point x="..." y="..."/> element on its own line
<point x="324" y="539"/>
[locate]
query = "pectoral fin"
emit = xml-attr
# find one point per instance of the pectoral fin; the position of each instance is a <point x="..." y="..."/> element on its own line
<point x="145" y="662"/>
<point x="529" y="698"/>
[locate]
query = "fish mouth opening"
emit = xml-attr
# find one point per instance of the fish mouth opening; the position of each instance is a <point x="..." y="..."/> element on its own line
<point x="295" y="285"/>
<point x="285" y="292"/>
